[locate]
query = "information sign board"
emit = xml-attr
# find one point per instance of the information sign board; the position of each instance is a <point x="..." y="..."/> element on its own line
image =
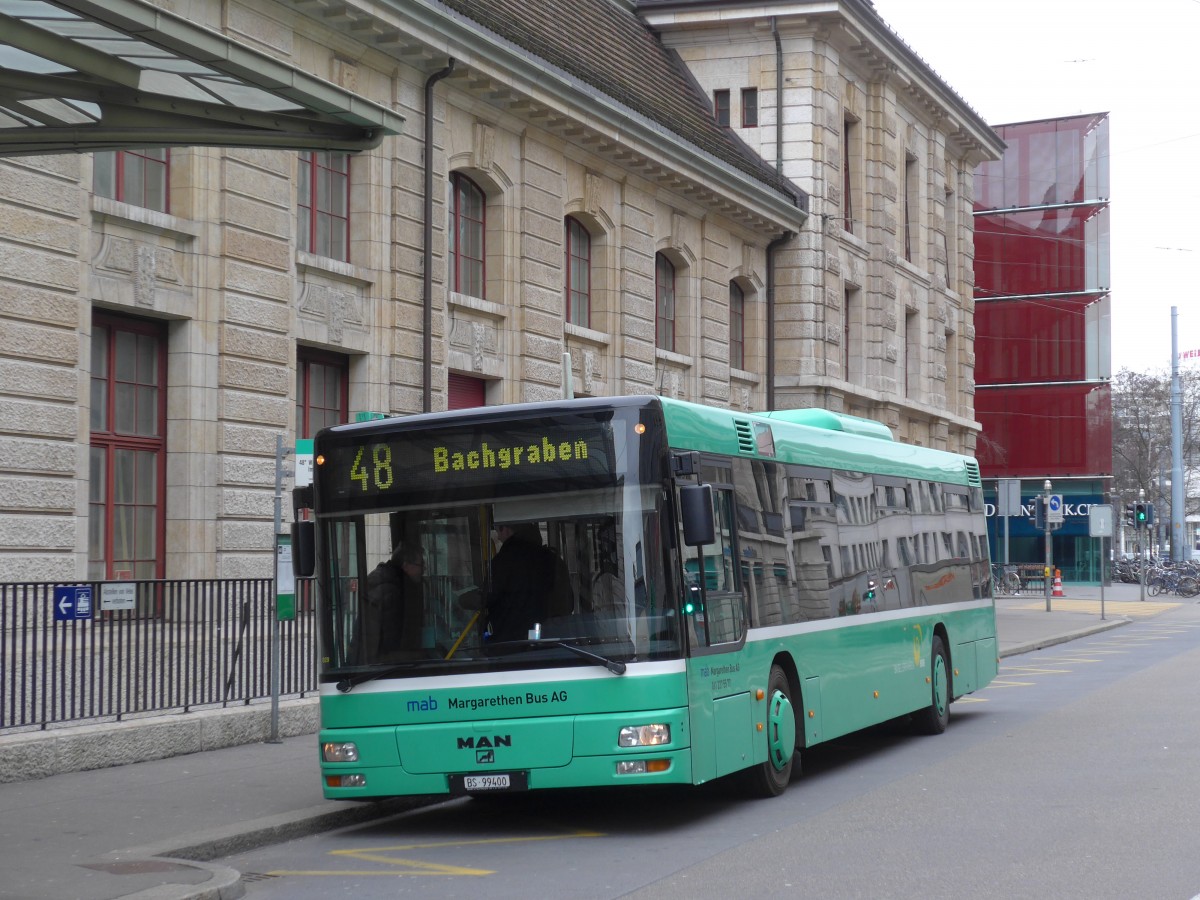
<point x="72" y="602"/>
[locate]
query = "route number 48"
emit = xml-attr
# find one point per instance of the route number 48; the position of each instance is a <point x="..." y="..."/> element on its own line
<point x="374" y="473"/>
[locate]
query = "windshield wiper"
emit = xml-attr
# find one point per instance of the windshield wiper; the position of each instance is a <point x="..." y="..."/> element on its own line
<point x="617" y="668"/>
<point x="614" y="666"/>
<point x="350" y="681"/>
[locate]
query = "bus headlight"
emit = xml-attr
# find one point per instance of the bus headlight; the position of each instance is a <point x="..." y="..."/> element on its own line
<point x="644" y="735"/>
<point x="340" y="751"/>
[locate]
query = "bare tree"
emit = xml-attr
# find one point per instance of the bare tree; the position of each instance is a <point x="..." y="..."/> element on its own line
<point x="1141" y="406"/>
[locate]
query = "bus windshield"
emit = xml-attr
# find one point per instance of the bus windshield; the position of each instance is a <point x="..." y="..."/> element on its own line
<point x="441" y="556"/>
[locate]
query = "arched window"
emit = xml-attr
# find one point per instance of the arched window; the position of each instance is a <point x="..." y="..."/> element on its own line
<point x="664" y="287"/>
<point x="466" y="236"/>
<point x="579" y="274"/>
<point x="737" y="326"/>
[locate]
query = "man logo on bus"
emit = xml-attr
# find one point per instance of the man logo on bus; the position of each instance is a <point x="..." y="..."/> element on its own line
<point x="476" y="743"/>
<point x="485" y="756"/>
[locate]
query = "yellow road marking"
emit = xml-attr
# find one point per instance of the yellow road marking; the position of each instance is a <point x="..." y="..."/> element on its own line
<point x="1131" y="608"/>
<point x="412" y="867"/>
<point x="418" y="868"/>
<point x="1073" y="659"/>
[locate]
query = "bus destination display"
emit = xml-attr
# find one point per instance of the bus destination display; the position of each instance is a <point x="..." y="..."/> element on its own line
<point x="379" y="464"/>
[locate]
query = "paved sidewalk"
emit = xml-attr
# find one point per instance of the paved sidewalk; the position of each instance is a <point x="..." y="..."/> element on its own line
<point x="145" y="830"/>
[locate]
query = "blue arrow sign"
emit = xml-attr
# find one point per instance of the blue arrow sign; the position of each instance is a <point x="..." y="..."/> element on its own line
<point x="72" y="603"/>
<point x="1055" y="509"/>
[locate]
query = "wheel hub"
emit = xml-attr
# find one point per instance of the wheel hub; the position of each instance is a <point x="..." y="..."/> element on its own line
<point x="781" y="730"/>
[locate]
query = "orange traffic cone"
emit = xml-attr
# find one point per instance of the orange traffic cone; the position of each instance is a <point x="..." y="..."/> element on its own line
<point x="1058" y="591"/>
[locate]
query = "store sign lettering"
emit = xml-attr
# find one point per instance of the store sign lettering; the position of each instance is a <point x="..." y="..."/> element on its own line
<point x="1069" y="509"/>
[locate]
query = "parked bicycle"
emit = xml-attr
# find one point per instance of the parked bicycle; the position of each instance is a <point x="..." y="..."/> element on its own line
<point x="1005" y="581"/>
<point x="1175" y="580"/>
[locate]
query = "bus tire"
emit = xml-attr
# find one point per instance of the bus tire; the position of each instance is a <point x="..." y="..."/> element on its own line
<point x="770" y="778"/>
<point x="934" y="718"/>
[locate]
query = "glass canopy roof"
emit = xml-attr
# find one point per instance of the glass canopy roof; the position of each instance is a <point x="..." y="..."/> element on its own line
<point x="79" y="75"/>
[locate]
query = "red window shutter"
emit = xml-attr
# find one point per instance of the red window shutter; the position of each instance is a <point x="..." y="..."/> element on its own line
<point x="464" y="392"/>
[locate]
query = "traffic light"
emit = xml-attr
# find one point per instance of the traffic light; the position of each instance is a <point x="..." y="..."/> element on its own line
<point x="1149" y="513"/>
<point x="1129" y="515"/>
<point x="1039" y="513"/>
<point x="1139" y="515"/>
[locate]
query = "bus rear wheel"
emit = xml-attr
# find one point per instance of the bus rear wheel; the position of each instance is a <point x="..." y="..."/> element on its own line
<point x="770" y="778"/>
<point x="934" y="718"/>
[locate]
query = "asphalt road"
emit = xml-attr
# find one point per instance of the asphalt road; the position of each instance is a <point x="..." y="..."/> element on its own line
<point x="1076" y="774"/>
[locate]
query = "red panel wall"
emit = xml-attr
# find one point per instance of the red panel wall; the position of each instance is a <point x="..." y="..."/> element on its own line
<point x="1020" y="340"/>
<point x="1042" y="240"/>
<point x="1035" y="431"/>
<point x="1043" y="251"/>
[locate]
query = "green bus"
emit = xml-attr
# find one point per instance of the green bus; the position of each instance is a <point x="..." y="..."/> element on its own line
<point x="731" y="589"/>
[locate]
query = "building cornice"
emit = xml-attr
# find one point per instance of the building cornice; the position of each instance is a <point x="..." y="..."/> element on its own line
<point x="425" y="33"/>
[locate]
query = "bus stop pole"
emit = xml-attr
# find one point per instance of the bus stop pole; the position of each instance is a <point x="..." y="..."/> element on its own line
<point x="276" y="638"/>
<point x="1049" y="553"/>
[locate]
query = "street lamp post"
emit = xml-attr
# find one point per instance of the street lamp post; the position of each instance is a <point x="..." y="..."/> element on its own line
<point x="1049" y="557"/>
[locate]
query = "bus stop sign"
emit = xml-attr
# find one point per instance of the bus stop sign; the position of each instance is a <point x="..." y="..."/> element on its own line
<point x="71" y="603"/>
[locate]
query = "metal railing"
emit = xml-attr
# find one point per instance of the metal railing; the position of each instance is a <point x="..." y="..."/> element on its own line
<point x="184" y="644"/>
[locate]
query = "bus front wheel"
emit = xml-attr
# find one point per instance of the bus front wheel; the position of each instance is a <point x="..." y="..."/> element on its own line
<point x="934" y="718"/>
<point x="770" y="778"/>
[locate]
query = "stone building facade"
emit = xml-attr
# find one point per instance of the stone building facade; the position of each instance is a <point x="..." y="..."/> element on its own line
<point x="875" y="310"/>
<point x="196" y="324"/>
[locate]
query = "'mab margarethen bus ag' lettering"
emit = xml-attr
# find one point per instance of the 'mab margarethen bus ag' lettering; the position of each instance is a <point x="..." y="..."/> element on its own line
<point x="487" y="457"/>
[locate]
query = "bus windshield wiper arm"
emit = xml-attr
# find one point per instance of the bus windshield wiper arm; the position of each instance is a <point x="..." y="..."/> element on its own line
<point x="348" y="683"/>
<point x="617" y="668"/>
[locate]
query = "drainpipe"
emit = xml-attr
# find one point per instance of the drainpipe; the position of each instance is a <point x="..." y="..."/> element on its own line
<point x="427" y="321"/>
<point x="771" y="250"/>
<point x="778" y="96"/>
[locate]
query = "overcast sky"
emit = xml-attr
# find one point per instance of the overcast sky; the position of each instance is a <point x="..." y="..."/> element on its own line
<point x="1038" y="59"/>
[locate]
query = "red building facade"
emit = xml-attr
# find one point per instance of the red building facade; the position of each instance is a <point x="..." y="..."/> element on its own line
<point x="1043" y="330"/>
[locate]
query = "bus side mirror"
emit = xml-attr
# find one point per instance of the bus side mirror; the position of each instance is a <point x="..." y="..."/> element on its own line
<point x="304" y="542"/>
<point x="696" y="505"/>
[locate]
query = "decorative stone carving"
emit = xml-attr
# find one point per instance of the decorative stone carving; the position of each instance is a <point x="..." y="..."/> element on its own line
<point x="345" y="73"/>
<point x="588" y="369"/>
<point x="336" y="306"/>
<point x="145" y="276"/>
<point x="478" y="338"/>
<point x="485" y="146"/>
<point x="591" y="194"/>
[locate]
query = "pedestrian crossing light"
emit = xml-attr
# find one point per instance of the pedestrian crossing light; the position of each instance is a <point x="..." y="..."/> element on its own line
<point x="1140" y="515"/>
<point x="1039" y="513"/>
<point x="1149" y="513"/>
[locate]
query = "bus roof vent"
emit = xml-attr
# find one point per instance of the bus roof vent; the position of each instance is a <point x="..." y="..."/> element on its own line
<point x="831" y="421"/>
<point x="745" y="435"/>
<point x="755" y="437"/>
<point x="973" y="478"/>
